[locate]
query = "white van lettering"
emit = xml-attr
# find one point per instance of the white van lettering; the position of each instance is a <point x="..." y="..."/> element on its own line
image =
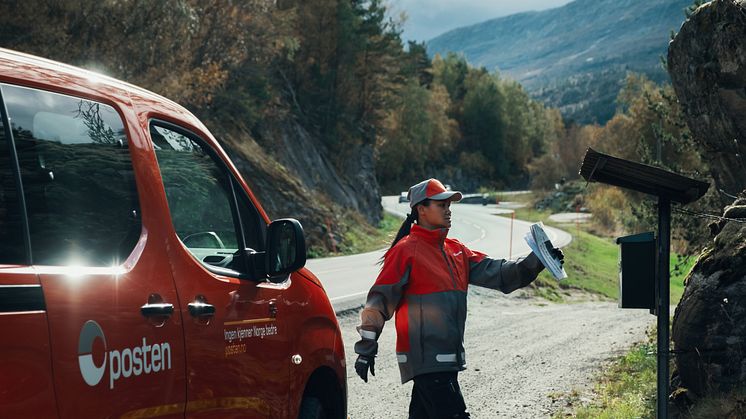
<point x="133" y="361"/>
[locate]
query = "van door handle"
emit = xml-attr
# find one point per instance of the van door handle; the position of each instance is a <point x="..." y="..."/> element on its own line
<point x="201" y="309"/>
<point x="273" y="309"/>
<point x="157" y="309"/>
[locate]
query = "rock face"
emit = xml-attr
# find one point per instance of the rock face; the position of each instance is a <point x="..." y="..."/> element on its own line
<point x="353" y="186"/>
<point x="709" y="326"/>
<point x="292" y="177"/>
<point x="707" y="64"/>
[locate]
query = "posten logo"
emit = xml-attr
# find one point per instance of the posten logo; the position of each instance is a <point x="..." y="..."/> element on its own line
<point x="88" y="369"/>
<point x="123" y="363"/>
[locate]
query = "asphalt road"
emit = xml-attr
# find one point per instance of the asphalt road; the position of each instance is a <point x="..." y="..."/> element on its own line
<point x="348" y="278"/>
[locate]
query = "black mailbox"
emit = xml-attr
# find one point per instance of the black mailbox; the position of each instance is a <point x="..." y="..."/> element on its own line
<point x="637" y="271"/>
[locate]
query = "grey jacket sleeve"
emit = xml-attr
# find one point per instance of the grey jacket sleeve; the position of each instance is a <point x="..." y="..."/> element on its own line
<point x="383" y="299"/>
<point x="503" y="275"/>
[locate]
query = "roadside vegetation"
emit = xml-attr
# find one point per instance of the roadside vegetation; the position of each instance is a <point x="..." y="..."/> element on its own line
<point x="360" y="237"/>
<point x="626" y="389"/>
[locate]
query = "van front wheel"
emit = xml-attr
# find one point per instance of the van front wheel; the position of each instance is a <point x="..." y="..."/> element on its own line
<point x="312" y="408"/>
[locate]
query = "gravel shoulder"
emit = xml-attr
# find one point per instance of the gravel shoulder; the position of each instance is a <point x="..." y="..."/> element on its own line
<point x="520" y="350"/>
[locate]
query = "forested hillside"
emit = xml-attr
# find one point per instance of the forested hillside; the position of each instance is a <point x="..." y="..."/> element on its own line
<point x="574" y="57"/>
<point x="318" y="101"/>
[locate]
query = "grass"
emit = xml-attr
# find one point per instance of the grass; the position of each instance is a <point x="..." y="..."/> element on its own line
<point x="361" y="240"/>
<point x="359" y="237"/>
<point x="626" y="389"/>
<point x="591" y="264"/>
<point x="680" y="268"/>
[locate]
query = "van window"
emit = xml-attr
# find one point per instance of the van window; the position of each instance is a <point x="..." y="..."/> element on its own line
<point x="77" y="176"/>
<point x="204" y="200"/>
<point x="12" y="250"/>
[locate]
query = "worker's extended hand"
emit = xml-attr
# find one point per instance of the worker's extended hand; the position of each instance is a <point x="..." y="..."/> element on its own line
<point x="557" y="253"/>
<point x="362" y="365"/>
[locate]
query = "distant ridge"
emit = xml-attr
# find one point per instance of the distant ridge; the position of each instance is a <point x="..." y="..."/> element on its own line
<point x="576" y="56"/>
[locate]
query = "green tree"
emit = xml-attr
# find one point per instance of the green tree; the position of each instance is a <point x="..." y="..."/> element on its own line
<point x="419" y="137"/>
<point x="451" y="72"/>
<point x="483" y="121"/>
<point x="649" y="127"/>
<point x="417" y="64"/>
<point x="346" y="70"/>
<point x="187" y="50"/>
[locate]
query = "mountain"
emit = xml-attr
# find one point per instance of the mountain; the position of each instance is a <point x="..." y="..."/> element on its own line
<point x="573" y="57"/>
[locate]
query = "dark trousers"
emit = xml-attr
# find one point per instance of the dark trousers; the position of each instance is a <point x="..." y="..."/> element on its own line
<point x="437" y="396"/>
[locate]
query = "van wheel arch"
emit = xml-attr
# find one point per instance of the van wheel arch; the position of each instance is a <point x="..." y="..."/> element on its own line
<point x="323" y="398"/>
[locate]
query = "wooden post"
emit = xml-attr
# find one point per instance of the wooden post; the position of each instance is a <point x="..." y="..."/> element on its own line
<point x="663" y="302"/>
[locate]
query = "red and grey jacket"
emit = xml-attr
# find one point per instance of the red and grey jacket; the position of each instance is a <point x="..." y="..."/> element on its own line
<point x="424" y="281"/>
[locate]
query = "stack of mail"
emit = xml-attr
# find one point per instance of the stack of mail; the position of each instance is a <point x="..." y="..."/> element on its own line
<point x="539" y="243"/>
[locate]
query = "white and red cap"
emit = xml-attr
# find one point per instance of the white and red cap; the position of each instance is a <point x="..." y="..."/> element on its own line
<point x="431" y="189"/>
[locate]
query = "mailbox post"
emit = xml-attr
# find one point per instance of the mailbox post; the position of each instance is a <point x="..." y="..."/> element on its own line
<point x="667" y="187"/>
<point x="664" y="301"/>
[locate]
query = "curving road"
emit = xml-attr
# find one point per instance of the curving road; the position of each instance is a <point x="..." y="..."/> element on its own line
<point x="348" y="278"/>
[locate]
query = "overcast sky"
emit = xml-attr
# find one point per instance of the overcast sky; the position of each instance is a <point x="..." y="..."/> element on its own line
<point x="427" y="19"/>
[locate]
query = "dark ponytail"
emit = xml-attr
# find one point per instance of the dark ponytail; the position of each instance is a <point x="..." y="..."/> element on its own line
<point x="406" y="227"/>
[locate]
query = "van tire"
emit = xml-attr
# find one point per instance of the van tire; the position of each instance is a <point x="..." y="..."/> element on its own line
<point x="312" y="408"/>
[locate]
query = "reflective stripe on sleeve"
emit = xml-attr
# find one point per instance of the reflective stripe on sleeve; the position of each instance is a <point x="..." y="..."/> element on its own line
<point x="402" y="358"/>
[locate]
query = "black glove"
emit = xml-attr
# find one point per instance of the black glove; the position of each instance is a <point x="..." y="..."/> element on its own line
<point x="557" y="253"/>
<point x="362" y="365"/>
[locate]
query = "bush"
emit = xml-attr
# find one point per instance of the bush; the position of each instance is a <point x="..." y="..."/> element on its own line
<point x="606" y="204"/>
<point x="545" y="172"/>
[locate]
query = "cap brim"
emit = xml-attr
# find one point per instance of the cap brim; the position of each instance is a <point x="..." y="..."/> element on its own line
<point x="448" y="195"/>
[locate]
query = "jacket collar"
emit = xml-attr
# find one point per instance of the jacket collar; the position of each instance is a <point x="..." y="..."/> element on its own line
<point x="435" y="237"/>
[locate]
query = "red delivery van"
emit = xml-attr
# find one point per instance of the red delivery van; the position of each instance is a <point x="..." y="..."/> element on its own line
<point x="139" y="275"/>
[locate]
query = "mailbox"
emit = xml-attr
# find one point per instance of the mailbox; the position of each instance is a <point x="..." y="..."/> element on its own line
<point x="637" y="269"/>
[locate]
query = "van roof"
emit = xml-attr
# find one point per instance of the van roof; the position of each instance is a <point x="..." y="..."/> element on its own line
<point x="35" y="68"/>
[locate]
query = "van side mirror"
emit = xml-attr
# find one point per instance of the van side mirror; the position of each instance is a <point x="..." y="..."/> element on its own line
<point x="286" y="248"/>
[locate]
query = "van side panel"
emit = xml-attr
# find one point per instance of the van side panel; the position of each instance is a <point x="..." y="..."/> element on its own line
<point x="317" y="339"/>
<point x="25" y="357"/>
